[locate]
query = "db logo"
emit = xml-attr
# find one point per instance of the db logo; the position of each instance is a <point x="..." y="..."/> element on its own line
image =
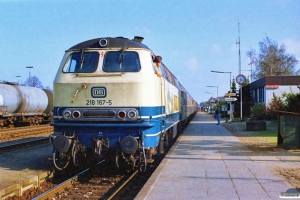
<point x="98" y="92"/>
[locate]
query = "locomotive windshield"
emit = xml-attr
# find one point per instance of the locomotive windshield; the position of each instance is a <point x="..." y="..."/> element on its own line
<point x="82" y="62"/>
<point x="121" y="61"/>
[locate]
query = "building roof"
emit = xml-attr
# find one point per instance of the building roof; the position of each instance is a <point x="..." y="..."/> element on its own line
<point x="275" y="80"/>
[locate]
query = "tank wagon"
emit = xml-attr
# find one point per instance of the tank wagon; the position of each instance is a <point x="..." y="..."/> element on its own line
<point x="23" y="104"/>
<point x="109" y="96"/>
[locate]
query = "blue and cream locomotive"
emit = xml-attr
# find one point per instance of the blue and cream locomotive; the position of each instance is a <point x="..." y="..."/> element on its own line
<point x="109" y="95"/>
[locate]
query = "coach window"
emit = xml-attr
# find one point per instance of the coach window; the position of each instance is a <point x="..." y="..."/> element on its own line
<point x="183" y="96"/>
<point x="169" y="76"/>
<point x="162" y="69"/>
<point x="176" y="82"/>
<point x="82" y="62"/>
<point x="121" y="61"/>
<point x="167" y="73"/>
<point x="172" y="79"/>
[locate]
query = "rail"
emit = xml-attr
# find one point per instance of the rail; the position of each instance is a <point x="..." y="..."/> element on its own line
<point x="61" y="187"/>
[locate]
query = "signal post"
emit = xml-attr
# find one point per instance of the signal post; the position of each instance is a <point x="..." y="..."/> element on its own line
<point x="230" y="97"/>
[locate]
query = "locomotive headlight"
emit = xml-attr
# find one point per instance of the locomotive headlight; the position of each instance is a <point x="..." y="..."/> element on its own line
<point x="67" y="114"/>
<point x="133" y="114"/>
<point x="76" y="114"/>
<point x="103" y="42"/>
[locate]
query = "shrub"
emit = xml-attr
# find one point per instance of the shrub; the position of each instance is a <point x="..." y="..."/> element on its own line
<point x="258" y="111"/>
<point x="292" y="102"/>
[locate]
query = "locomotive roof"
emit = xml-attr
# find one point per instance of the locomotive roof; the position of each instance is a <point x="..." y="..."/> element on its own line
<point x="117" y="42"/>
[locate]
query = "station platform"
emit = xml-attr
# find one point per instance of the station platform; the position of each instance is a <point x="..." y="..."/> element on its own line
<point x="208" y="162"/>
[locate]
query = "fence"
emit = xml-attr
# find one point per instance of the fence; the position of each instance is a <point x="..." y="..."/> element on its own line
<point x="288" y="130"/>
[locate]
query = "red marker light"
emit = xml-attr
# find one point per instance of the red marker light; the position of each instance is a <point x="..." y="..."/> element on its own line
<point x="76" y="114"/>
<point x="121" y="114"/>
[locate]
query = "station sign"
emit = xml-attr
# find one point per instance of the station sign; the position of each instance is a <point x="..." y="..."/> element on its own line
<point x="230" y="99"/>
<point x="230" y="94"/>
<point x="272" y="86"/>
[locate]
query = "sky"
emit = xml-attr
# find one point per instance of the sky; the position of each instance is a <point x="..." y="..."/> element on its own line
<point x="194" y="37"/>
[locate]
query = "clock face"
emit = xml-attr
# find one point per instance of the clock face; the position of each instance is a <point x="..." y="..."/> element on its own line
<point x="241" y="79"/>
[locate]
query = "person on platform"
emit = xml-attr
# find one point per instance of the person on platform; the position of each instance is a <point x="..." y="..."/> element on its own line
<point x="217" y="113"/>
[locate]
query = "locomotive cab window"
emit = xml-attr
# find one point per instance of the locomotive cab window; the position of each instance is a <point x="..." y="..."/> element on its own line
<point x="121" y="61"/>
<point x="82" y="62"/>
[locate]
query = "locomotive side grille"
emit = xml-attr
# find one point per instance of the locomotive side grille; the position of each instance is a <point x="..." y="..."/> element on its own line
<point x="99" y="114"/>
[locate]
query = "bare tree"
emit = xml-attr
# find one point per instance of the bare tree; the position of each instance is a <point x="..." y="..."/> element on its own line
<point x="272" y="60"/>
<point x="34" y="81"/>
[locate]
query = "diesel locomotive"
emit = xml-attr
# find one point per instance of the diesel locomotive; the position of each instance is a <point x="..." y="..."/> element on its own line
<point x="115" y="95"/>
<point x="24" y="105"/>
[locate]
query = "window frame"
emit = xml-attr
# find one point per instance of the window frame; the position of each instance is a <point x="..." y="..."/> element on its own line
<point x="67" y="65"/>
<point x="123" y="52"/>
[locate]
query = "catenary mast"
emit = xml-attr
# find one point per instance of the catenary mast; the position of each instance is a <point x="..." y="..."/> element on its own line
<point x="239" y="42"/>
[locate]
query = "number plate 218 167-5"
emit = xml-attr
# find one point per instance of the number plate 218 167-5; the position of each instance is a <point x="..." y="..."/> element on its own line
<point x="98" y="102"/>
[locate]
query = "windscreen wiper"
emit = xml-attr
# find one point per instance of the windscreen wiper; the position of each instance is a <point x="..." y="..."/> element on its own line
<point x="121" y="58"/>
<point x="82" y="58"/>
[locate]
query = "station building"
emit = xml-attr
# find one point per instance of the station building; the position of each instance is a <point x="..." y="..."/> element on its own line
<point x="262" y="90"/>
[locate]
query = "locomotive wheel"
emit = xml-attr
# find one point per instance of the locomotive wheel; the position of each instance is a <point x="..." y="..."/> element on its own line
<point x="75" y="157"/>
<point x="160" y="149"/>
<point x="133" y="163"/>
<point x="120" y="161"/>
<point x="142" y="165"/>
<point x="170" y="137"/>
<point x="179" y="128"/>
<point x="60" y="160"/>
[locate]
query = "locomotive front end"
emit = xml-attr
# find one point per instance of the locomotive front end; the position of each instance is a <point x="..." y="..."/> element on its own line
<point x="101" y="93"/>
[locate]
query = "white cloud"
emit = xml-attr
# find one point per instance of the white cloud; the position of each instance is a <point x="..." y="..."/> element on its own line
<point x="215" y="49"/>
<point x="192" y="64"/>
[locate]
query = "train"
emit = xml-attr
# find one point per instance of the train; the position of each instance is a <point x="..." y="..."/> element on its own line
<point x="24" y="105"/>
<point x="115" y="99"/>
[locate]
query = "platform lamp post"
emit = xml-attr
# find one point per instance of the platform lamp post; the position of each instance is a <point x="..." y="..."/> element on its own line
<point x="217" y="91"/>
<point x="212" y="96"/>
<point x="29" y="67"/>
<point x="230" y="109"/>
<point x="18" y="79"/>
<point x="229" y="77"/>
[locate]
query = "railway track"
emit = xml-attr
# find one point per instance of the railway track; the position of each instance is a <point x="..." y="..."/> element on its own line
<point x="11" y="134"/>
<point x="89" y="184"/>
<point x="101" y="182"/>
<point x="3" y="129"/>
<point x="23" y="144"/>
<point x="12" y="139"/>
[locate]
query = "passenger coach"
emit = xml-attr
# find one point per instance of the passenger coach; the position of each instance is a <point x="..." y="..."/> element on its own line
<point x="108" y="95"/>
